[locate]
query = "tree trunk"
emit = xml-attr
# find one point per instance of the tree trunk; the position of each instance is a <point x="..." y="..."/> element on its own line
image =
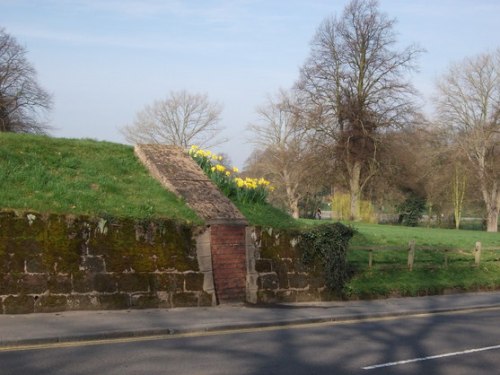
<point x="354" y="189"/>
<point x="294" y="207"/>
<point x="492" y="219"/>
<point x="291" y="195"/>
<point x="492" y="203"/>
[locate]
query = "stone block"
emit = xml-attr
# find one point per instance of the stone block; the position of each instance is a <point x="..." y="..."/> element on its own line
<point x="35" y="265"/>
<point x="93" y="264"/>
<point x="145" y="301"/>
<point x="115" y="301"/>
<point x="21" y="304"/>
<point x="298" y="281"/>
<point x="132" y="282"/>
<point x="83" y="282"/>
<point x="32" y="284"/>
<point x="51" y="303"/>
<point x="8" y="284"/>
<point x="281" y="270"/>
<point x="185" y="300"/>
<point x="316" y="282"/>
<point x="308" y="296"/>
<point x="104" y="283"/>
<point x="168" y="282"/>
<point x="205" y="299"/>
<point x="298" y="266"/>
<point x="286" y="296"/>
<point x="82" y="302"/>
<point x="266" y="296"/>
<point x="268" y="281"/>
<point x="263" y="265"/>
<point x="194" y="281"/>
<point x="59" y="284"/>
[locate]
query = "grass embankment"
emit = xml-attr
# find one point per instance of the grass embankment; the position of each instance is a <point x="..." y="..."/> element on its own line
<point x="87" y="177"/>
<point x="82" y="177"/>
<point x="444" y="261"/>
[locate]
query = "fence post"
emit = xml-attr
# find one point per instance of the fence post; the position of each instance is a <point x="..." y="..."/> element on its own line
<point x="477" y="253"/>
<point x="370" y="258"/>
<point x="411" y="254"/>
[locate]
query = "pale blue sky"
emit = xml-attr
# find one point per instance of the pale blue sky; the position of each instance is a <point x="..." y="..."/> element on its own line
<point x="103" y="61"/>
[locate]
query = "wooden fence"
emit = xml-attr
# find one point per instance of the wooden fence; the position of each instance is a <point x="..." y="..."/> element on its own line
<point x="439" y="255"/>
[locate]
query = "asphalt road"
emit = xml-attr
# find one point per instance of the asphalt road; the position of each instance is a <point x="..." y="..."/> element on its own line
<point x="453" y="343"/>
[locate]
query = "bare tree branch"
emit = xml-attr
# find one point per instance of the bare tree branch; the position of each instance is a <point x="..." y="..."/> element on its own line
<point x="469" y="106"/>
<point x="182" y="119"/>
<point x="23" y="103"/>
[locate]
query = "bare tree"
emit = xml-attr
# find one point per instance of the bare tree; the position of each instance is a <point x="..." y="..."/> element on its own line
<point x="182" y="119"/>
<point x="283" y="156"/>
<point x="355" y="80"/>
<point x="23" y="103"/>
<point x="469" y="105"/>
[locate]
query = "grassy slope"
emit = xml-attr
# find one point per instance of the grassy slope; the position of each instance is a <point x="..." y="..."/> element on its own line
<point x="81" y="177"/>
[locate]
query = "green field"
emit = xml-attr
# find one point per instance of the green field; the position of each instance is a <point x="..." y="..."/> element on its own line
<point x="444" y="261"/>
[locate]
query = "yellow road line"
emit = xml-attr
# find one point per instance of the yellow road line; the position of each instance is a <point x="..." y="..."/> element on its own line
<point x="124" y="340"/>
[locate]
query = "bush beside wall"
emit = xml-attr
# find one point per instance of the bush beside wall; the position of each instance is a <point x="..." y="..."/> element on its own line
<point x="291" y="267"/>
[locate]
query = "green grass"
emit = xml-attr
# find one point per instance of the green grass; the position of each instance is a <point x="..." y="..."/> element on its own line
<point x="389" y="275"/>
<point x="81" y="177"/>
<point x="393" y="235"/>
<point x="434" y="270"/>
<point x="266" y="215"/>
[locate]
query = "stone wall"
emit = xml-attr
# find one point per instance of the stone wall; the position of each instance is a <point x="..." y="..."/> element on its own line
<point x="276" y="272"/>
<point x="57" y="263"/>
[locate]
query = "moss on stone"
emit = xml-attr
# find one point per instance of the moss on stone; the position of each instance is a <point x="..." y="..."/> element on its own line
<point x="21" y="304"/>
<point x="51" y="303"/>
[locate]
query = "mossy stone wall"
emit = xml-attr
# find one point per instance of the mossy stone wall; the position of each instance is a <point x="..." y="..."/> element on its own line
<point x="55" y="263"/>
<point x="280" y="274"/>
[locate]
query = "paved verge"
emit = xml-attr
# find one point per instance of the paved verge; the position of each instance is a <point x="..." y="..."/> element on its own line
<point x="91" y="325"/>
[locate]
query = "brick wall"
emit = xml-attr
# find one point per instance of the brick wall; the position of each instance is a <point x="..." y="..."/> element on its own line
<point x="229" y="261"/>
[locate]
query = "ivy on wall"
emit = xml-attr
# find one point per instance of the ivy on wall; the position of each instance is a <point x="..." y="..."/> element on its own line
<point x="327" y="244"/>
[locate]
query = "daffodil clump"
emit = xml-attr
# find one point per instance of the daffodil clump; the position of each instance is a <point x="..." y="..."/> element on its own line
<point x="248" y="190"/>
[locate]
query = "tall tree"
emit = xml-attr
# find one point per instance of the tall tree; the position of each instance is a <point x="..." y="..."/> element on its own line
<point x="469" y="105"/>
<point x="23" y="103"/>
<point x="182" y="119"/>
<point x="283" y="155"/>
<point x="356" y="81"/>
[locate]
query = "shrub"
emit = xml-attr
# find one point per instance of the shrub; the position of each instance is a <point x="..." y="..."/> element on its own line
<point x="341" y="206"/>
<point x="411" y="210"/>
<point x="327" y="244"/>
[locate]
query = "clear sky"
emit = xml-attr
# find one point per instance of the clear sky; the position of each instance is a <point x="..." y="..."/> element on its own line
<point x="104" y="60"/>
